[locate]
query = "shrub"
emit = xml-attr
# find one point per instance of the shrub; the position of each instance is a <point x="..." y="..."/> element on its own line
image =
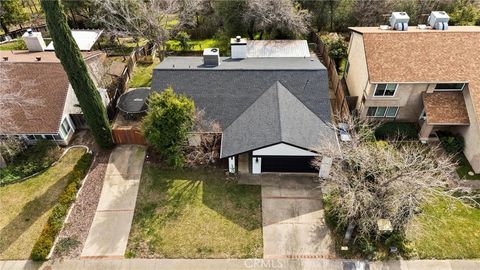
<point x="452" y="144"/>
<point x="167" y="123"/>
<point x="336" y="45"/>
<point x="403" y="130"/>
<point x="34" y="159"/>
<point x="44" y="244"/>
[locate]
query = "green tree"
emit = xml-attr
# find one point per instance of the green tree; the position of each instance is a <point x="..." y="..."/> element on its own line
<point x="465" y="12"/>
<point x="184" y="39"/>
<point x="167" y="123"/>
<point x="67" y="51"/>
<point x="11" y="12"/>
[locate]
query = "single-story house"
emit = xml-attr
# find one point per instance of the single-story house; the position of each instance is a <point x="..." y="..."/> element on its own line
<point x="426" y="74"/>
<point x="270" y="98"/>
<point x="36" y="98"/>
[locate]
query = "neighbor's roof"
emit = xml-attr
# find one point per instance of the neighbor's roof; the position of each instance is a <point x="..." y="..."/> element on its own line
<point x="32" y="97"/>
<point x="279" y="63"/>
<point x="226" y="91"/>
<point x="277" y="48"/>
<point x="25" y="56"/>
<point x="276" y="116"/>
<point x="85" y="39"/>
<point x="424" y="56"/>
<point x="445" y="108"/>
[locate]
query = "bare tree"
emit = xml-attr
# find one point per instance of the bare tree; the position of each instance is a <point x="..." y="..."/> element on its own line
<point x="371" y="12"/>
<point x="140" y="19"/>
<point x="207" y="149"/>
<point x="371" y="180"/>
<point x="270" y="16"/>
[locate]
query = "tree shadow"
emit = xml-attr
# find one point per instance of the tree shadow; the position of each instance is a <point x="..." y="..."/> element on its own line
<point x="240" y="204"/>
<point x="30" y="213"/>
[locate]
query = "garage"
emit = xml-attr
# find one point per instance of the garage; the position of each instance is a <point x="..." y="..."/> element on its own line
<point x="287" y="164"/>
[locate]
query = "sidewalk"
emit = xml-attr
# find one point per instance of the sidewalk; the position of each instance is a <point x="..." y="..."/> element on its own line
<point x="110" y="228"/>
<point x="240" y="264"/>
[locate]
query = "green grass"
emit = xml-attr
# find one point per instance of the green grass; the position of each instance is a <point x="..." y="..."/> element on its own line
<point x="446" y="230"/>
<point x="142" y="74"/>
<point x="195" y="214"/>
<point x="199" y="45"/>
<point x="14" y="45"/>
<point x="464" y="167"/>
<point x="26" y="206"/>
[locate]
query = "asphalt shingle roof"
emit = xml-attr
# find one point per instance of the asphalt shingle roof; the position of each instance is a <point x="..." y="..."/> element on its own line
<point x="276" y="116"/>
<point x="226" y="92"/>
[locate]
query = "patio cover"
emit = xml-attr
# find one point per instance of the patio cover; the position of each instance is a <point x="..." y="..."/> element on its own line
<point x="445" y="108"/>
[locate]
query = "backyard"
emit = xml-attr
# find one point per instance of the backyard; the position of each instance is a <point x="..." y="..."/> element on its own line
<point x="142" y="74"/>
<point x="26" y="206"/>
<point x="445" y="230"/>
<point x="195" y="214"/>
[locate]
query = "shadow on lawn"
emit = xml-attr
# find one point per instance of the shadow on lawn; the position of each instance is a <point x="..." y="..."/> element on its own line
<point x="29" y="214"/>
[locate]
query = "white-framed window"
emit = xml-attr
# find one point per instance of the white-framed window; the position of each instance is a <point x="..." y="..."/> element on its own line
<point x="385" y="90"/>
<point x="65" y="128"/>
<point x="449" y="86"/>
<point x="387" y="112"/>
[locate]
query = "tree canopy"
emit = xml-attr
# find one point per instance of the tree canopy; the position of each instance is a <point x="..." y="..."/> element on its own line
<point x="11" y="12"/>
<point x="169" y="119"/>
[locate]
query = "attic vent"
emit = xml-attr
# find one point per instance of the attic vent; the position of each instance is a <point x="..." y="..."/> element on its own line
<point x="211" y="57"/>
<point x="438" y="20"/>
<point x="399" y="21"/>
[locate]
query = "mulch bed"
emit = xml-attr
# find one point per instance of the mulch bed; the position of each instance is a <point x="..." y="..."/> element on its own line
<point x="78" y="224"/>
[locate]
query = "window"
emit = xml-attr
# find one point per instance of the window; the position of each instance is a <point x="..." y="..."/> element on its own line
<point x="449" y="86"/>
<point x="347" y="67"/>
<point x="64" y="128"/>
<point x="385" y="90"/>
<point x="57" y="137"/>
<point x="49" y="137"/>
<point x="31" y="137"/>
<point x="38" y="137"/>
<point x="389" y="112"/>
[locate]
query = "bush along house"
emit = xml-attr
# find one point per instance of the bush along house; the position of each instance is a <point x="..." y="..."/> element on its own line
<point x="36" y="99"/>
<point x="270" y="98"/>
<point x="426" y="74"/>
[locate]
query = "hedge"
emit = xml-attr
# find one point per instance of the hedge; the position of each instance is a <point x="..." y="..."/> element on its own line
<point x="44" y="244"/>
<point x="402" y="130"/>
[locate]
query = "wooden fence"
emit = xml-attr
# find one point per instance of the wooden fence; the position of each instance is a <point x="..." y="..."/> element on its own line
<point x="340" y="105"/>
<point x="128" y="135"/>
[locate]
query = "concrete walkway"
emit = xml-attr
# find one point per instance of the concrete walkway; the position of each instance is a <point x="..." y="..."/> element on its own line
<point x="110" y="228"/>
<point x="293" y="220"/>
<point x="240" y="264"/>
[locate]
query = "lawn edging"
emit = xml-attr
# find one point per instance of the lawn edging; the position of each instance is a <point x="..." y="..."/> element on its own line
<point x="45" y="244"/>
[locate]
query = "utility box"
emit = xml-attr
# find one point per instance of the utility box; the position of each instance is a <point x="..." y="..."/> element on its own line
<point x="238" y="47"/>
<point x="34" y="41"/>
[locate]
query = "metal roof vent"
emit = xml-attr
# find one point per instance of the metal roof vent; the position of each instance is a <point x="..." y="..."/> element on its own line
<point x="438" y="20"/>
<point x="211" y="57"/>
<point x="399" y="21"/>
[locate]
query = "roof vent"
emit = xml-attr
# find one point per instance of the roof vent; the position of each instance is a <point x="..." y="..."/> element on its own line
<point x="384" y="27"/>
<point x="238" y="47"/>
<point x="5" y="58"/>
<point x="38" y="58"/>
<point x="438" y="20"/>
<point x="211" y="57"/>
<point x="422" y="26"/>
<point x="399" y="21"/>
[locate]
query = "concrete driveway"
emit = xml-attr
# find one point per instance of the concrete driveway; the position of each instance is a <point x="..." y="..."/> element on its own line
<point x="293" y="220"/>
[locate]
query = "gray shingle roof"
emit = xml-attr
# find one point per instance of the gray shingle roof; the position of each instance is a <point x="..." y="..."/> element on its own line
<point x="224" y="94"/>
<point x="276" y="116"/>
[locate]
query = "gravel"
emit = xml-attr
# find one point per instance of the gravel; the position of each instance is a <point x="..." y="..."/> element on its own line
<point x="81" y="217"/>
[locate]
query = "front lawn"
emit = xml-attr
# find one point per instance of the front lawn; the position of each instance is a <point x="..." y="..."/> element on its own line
<point x="26" y="206"/>
<point x="142" y="75"/>
<point x="446" y="230"/>
<point x="195" y="214"/>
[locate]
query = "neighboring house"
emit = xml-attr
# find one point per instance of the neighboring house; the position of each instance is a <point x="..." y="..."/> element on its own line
<point x="270" y="98"/>
<point x="36" y="98"/>
<point x="419" y="74"/>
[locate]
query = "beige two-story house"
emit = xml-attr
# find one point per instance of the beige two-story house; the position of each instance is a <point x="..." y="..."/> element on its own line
<point x="419" y="74"/>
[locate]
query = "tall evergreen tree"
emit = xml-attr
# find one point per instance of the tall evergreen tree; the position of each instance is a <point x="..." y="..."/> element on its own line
<point x="69" y="54"/>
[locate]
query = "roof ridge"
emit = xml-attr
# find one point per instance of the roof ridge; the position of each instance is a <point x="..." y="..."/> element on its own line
<point x="277" y="89"/>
